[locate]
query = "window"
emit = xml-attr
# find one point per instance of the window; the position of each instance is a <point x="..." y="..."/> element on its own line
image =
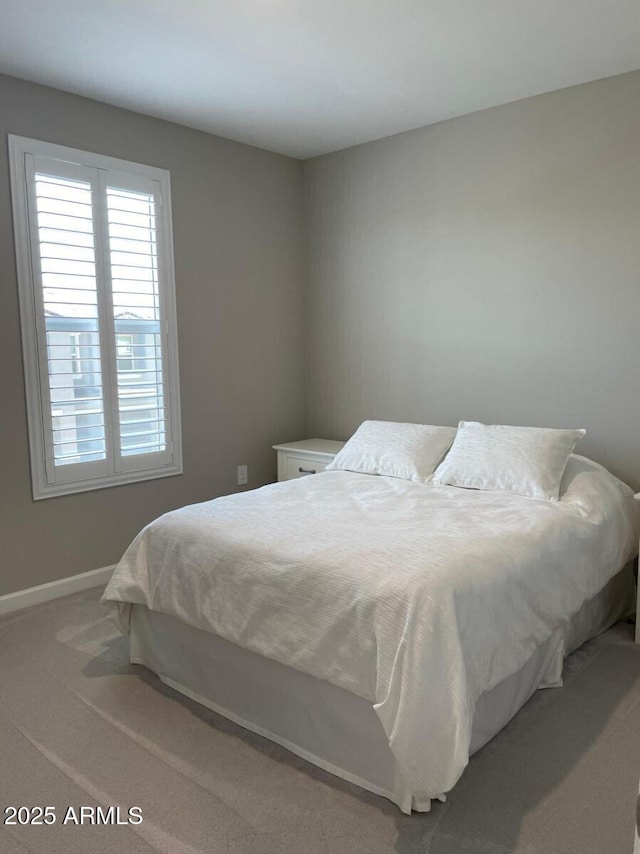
<point x="97" y="306"/>
<point x="124" y="352"/>
<point x="74" y="352"/>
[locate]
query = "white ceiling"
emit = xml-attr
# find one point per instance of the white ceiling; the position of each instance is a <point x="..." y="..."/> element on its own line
<point x="305" y="77"/>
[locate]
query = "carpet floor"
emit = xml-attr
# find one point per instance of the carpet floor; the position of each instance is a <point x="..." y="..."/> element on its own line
<point x="80" y="726"/>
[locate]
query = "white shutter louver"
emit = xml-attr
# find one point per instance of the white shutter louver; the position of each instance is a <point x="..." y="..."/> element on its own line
<point x="98" y="318"/>
<point x="133" y="255"/>
<point x="70" y="300"/>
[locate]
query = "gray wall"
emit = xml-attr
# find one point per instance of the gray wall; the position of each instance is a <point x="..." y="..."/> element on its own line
<point x="237" y="221"/>
<point x="487" y="268"/>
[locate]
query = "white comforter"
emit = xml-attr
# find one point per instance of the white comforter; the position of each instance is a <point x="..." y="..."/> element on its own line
<point x="415" y="597"/>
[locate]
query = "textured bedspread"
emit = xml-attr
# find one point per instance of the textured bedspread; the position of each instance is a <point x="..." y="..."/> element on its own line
<point x="415" y="597"/>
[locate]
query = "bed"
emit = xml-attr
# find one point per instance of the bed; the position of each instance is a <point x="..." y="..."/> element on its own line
<point x="382" y="628"/>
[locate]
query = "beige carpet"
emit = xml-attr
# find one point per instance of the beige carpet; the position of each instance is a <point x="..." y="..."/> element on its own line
<point x="79" y="727"/>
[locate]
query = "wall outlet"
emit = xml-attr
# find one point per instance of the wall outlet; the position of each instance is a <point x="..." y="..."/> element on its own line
<point x="243" y="475"/>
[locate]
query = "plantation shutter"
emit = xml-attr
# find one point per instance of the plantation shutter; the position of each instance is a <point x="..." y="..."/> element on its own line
<point x="100" y="368"/>
<point x="133" y="210"/>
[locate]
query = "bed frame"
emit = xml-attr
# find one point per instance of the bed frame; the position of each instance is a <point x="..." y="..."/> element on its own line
<point x="327" y="725"/>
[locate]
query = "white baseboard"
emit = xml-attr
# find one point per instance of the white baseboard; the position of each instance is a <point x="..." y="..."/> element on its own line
<point x="54" y="589"/>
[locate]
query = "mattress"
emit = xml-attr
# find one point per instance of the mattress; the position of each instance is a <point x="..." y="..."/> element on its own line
<point x="327" y="725"/>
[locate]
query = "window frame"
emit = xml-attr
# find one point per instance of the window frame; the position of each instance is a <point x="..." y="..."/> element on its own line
<point x="44" y="485"/>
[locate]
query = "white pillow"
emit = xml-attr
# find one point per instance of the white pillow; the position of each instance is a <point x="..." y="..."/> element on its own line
<point x="525" y="460"/>
<point x="409" y="451"/>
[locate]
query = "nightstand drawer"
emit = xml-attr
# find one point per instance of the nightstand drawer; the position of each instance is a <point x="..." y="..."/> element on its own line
<point x="309" y="456"/>
<point x="299" y="465"/>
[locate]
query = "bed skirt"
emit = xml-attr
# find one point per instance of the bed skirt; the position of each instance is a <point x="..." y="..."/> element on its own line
<point x="327" y="725"/>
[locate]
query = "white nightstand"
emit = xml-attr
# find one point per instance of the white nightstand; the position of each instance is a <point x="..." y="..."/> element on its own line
<point x="296" y="459"/>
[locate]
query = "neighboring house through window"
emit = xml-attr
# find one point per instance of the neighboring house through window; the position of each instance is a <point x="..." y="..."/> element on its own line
<point x="95" y="263"/>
